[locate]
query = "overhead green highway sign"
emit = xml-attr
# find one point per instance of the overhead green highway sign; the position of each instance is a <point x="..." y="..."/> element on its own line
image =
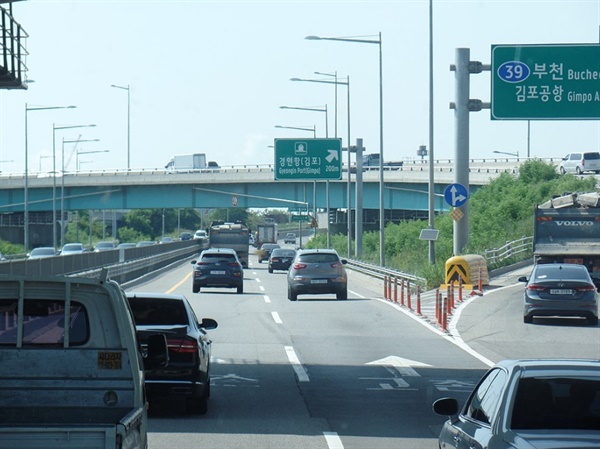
<point x="308" y="159"/>
<point x="546" y="82"/>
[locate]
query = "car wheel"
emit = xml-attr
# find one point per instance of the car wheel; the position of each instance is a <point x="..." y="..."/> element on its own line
<point x="578" y="170"/>
<point x="240" y="289"/>
<point x="593" y="321"/>
<point x="270" y="270"/>
<point x="198" y="406"/>
<point x="527" y="319"/>
<point x="562" y="170"/>
<point x="196" y="288"/>
<point x="342" y="294"/>
<point x="292" y="295"/>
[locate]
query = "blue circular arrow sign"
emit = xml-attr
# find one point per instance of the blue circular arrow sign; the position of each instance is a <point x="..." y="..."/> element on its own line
<point x="456" y="195"/>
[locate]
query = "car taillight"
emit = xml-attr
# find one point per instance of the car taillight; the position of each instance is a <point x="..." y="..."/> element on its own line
<point x="299" y="266"/>
<point x="536" y="288"/>
<point x="275" y="259"/>
<point x="202" y="263"/>
<point x="586" y="288"/>
<point x="182" y="345"/>
<point x="335" y="264"/>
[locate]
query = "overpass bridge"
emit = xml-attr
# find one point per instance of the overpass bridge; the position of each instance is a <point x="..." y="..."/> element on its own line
<point x="405" y="192"/>
<point x="406" y="188"/>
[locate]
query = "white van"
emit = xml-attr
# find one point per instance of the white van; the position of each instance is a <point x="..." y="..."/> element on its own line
<point x="580" y="162"/>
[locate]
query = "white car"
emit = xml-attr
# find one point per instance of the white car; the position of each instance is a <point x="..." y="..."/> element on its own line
<point x="200" y="234"/>
<point x="580" y="162"/>
<point x="290" y="238"/>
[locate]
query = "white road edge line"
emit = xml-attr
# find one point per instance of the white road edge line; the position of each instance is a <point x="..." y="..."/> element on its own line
<point x="333" y="440"/>
<point x="276" y="318"/>
<point x="293" y="358"/>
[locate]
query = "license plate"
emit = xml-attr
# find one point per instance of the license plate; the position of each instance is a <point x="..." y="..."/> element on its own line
<point x="319" y="281"/>
<point x="217" y="272"/>
<point x="560" y="291"/>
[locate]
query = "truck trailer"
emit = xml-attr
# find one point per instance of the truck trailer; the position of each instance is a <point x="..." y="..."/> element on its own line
<point x="266" y="233"/>
<point x="231" y="235"/>
<point x="187" y="162"/>
<point x="567" y="230"/>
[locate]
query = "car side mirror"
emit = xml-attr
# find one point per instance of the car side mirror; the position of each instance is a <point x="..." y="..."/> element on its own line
<point x="208" y="323"/>
<point x="522" y="279"/>
<point x="446" y="406"/>
<point x="193" y="262"/>
<point x="157" y="355"/>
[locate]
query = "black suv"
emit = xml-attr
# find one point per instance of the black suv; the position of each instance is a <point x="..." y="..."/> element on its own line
<point x="218" y="267"/>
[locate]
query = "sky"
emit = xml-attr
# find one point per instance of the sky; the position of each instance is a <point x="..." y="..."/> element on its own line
<point x="210" y="77"/>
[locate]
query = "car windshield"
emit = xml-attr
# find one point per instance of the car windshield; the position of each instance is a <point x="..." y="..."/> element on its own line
<point x="214" y="258"/>
<point x="557" y="403"/>
<point x="553" y="272"/>
<point x="72" y="247"/>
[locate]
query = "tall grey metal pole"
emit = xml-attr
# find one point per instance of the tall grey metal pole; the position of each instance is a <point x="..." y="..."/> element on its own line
<point x="381" y="180"/>
<point x="461" y="150"/>
<point x="431" y="183"/>
<point x="358" y="219"/>
<point x="54" y="186"/>
<point x="26" y="192"/>
<point x="349" y="186"/>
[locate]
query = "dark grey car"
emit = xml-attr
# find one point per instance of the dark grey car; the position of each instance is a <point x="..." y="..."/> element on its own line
<point x="317" y="271"/>
<point x="188" y="372"/>
<point x="218" y="267"/>
<point x="560" y="290"/>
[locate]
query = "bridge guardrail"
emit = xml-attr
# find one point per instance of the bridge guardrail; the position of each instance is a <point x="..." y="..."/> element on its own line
<point x="509" y="250"/>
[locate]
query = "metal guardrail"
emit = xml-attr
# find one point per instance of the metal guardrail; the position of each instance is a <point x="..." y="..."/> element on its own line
<point x="509" y="250"/>
<point x="382" y="272"/>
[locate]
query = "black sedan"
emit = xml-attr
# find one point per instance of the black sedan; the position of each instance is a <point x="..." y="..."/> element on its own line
<point x="560" y="289"/>
<point x="188" y="372"/>
<point x="281" y="259"/>
<point x="543" y="404"/>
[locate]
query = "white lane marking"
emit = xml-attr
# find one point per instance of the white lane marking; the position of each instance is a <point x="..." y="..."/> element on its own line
<point x="293" y="358"/>
<point x="454" y="336"/>
<point x="261" y="288"/>
<point x="266" y="298"/>
<point x="276" y="318"/>
<point x="257" y="280"/>
<point x="333" y="440"/>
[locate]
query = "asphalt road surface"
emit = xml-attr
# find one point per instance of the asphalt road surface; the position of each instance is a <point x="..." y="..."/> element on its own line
<point x="320" y="373"/>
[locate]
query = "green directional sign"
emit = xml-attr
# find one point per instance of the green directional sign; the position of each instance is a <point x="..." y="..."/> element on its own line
<point x="300" y="217"/>
<point x="546" y="82"/>
<point x="308" y="159"/>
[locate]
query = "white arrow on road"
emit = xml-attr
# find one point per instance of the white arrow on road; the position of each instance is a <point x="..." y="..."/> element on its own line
<point x="456" y="199"/>
<point x="404" y="366"/>
<point x="333" y="154"/>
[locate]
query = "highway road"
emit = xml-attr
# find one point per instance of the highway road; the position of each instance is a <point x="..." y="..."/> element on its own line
<point x="357" y="374"/>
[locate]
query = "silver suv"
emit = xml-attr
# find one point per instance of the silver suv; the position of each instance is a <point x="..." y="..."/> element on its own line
<point x="580" y="162"/>
<point x="317" y="271"/>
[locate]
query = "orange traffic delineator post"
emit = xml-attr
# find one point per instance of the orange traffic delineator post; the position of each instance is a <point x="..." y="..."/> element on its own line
<point x="460" y="288"/>
<point x="444" y="314"/>
<point x="408" y="303"/>
<point x="395" y="289"/>
<point x="402" y="292"/>
<point x="418" y="300"/>
<point x="438" y="309"/>
<point x="385" y="287"/>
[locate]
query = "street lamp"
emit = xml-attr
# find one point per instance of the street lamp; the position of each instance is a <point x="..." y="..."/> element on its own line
<point x="509" y="154"/>
<point x="78" y="152"/>
<point x="128" y="122"/>
<point x="349" y="177"/>
<point x="54" y="129"/>
<point x="381" y="180"/>
<point x="62" y="185"/>
<point x="313" y="129"/>
<point x="26" y="190"/>
<point x="314" y="109"/>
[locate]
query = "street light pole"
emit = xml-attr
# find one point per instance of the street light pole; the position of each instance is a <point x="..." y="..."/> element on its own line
<point x="377" y="41"/>
<point x="62" y="186"/>
<point x="54" y="128"/>
<point x="349" y="179"/>
<point x="26" y="189"/>
<point x="128" y="122"/>
<point x="78" y="152"/>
